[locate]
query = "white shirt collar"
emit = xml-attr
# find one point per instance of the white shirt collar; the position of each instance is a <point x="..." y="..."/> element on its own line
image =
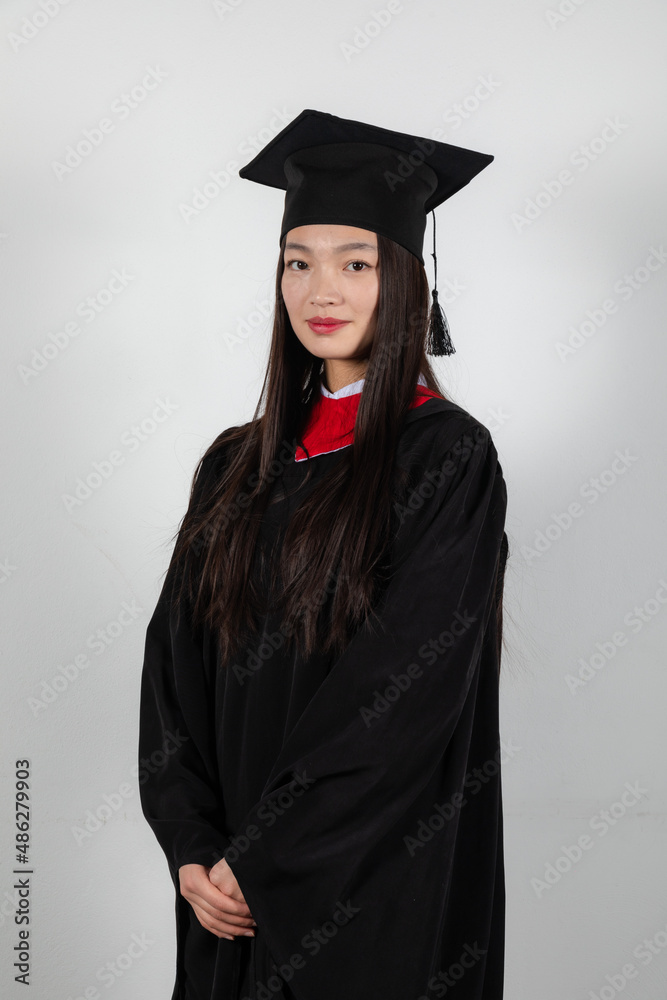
<point x="353" y="387"/>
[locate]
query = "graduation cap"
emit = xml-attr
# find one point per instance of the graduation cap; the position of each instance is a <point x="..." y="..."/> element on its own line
<point x="348" y="173"/>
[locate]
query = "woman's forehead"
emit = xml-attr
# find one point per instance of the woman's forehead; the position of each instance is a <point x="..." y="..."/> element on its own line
<point x="332" y="237"/>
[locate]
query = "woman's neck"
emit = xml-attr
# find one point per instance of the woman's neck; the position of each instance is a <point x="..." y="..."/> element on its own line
<point x="338" y="373"/>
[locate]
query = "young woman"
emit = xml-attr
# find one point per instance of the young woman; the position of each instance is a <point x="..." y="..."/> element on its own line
<point x="319" y="734"/>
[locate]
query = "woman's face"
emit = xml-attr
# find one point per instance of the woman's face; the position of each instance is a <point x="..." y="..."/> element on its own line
<point x="331" y="272"/>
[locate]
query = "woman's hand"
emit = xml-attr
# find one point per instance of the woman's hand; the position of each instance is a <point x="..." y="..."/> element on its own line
<point x="217" y="900"/>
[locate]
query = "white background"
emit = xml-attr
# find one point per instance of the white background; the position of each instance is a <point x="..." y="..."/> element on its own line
<point x="534" y="87"/>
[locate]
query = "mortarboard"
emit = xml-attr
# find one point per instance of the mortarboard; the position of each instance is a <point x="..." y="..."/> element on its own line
<point x="345" y="172"/>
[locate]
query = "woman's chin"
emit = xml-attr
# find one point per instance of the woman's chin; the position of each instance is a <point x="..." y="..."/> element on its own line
<point x="328" y="345"/>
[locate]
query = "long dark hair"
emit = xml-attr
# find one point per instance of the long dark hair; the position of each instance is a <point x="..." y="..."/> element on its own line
<point x="331" y="559"/>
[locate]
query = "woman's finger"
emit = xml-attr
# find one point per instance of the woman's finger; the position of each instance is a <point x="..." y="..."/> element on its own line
<point x="198" y="884"/>
<point x="219" y="927"/>
<point x="222" y="907"/>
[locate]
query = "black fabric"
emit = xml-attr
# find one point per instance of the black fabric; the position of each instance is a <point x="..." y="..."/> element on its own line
<point x="373" y="825"/>
<point x="335" y="170"/>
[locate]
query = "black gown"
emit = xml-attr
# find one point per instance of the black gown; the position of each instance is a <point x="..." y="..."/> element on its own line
<point x="360" y="794"/>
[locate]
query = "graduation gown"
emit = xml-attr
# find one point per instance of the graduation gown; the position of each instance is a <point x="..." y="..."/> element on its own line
<point x="358" y="797"/>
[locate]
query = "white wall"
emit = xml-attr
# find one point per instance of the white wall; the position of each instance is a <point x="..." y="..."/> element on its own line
<point x="222" y="73"/>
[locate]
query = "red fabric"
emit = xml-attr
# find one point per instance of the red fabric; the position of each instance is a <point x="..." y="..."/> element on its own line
<point x="331" y="422"/>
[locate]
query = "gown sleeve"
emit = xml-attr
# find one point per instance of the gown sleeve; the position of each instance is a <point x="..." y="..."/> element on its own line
<point x="380" y="723"/>
<point x="178" y="782"/>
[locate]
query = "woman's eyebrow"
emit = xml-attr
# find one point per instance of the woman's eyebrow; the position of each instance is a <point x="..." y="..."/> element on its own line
<point x="343" y="248"/>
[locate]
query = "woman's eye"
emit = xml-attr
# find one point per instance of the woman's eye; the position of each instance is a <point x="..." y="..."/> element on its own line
<point x="357" y="265"/>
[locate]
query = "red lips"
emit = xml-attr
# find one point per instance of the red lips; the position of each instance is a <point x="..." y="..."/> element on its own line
<point x="326" y="324"/>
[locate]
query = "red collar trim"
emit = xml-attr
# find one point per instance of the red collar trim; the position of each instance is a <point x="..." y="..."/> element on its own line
<point x="330" y="426"/>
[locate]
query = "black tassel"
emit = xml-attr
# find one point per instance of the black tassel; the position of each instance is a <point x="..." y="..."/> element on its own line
<point x="439" y="340"/>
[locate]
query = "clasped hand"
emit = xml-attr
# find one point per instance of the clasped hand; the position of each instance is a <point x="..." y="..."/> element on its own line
<point x="217" y="900"/>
